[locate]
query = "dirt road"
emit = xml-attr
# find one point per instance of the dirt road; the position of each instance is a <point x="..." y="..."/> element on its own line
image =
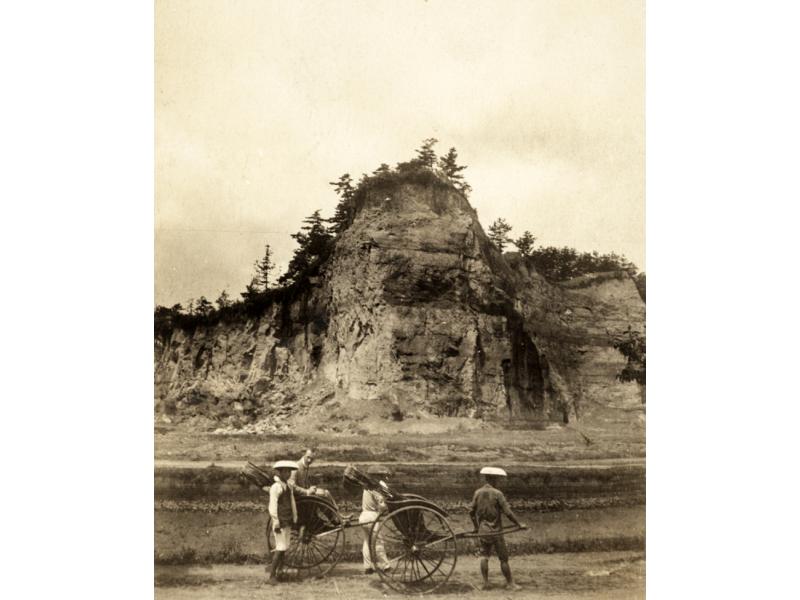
<point x="582" y="576"/>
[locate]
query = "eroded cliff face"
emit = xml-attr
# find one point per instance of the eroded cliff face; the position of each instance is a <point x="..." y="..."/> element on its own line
<point x="415" y="314"/>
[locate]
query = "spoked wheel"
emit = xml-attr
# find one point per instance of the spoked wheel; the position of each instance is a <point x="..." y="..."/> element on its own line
<point x="317" y="542"/>
<point x="413" y="549"/>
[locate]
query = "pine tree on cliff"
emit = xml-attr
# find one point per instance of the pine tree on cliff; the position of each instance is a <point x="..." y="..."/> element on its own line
<point x="498" y="233"/>
<point x="264" y="269"/>
<point x="345" y="210"/>
<point x="313" y="236"/>
<point x="525" y="243"/>
<point x="384" y="169"/>
<point x="425" y="153"/>
<point x="314" y="242"/>
<point x="223" y="300"/>
<point x="204" y="307"/>
<point x="250" y="290"/>
<point x="448" y="164"/>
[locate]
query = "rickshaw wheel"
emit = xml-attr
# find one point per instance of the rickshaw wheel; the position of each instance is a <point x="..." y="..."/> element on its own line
<point x="419" y="546"/>
<point x="317" y="542"/>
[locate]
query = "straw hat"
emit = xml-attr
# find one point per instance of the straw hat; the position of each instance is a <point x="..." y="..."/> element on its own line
<point x="493" y="471"/>
<point x="285" y="464"/>
<point x="378" y="470"/>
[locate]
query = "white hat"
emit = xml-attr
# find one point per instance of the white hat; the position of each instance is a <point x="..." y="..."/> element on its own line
<point x="493" y="471"/>
<point x="285" y="464"/>
<point x="378" y="470"/>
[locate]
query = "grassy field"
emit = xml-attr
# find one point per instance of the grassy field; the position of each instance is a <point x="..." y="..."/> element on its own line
<point x="621" y="439"/>
<point x="184" y="537"/>
<point x="545" y="486"/>
<point x="586" y="576"/>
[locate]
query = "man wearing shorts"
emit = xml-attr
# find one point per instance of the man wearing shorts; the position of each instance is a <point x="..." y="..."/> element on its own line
<point x="283" y="512"/>
<point x="489" y="505"/>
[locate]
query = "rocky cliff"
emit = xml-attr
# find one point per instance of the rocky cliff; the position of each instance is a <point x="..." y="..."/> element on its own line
<point x="415" y="314"/>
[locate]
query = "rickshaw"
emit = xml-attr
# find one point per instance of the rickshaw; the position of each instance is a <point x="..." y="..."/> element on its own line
<point x="413" y="535"/>
<point x="318" y="538"/>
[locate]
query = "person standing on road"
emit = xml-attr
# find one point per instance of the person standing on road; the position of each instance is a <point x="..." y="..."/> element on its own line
<point x="373" y="505"/>
<point x="283" y="513"/>
<point x="489" y="505"/>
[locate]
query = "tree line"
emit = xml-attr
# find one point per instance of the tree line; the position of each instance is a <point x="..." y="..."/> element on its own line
<point x="559" y="264"/>
<point x="317" y="237"/>
<point x="315" y="240"/>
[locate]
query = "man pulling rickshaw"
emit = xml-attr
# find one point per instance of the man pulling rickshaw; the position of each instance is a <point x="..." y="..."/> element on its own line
<point x="489" y="505"/>
<point x="410" y="543"/>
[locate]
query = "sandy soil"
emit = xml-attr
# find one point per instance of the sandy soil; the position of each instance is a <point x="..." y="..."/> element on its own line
<point x="584" y="576"/>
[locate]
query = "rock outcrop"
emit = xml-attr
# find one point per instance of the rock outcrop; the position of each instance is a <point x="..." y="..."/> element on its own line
<point x="414" y="314"/>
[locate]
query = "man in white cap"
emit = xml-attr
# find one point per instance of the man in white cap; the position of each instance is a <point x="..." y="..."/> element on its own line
<point x="283" y="512"/>
<point x="489" y="505"/>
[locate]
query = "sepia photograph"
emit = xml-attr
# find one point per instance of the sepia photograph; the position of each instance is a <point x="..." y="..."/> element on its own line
<point x="400" y="299"/>
<point x="347" y="299"/>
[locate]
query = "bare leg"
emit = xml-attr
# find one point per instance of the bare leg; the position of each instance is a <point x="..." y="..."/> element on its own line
<point x="506" y="571"/>
<point x="277" y="563"/>
<point x="485" y="572"/>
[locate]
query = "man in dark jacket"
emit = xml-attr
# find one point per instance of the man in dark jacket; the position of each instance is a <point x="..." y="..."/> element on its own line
<point x="300" y="483"/>
<point x="488" y="507"/>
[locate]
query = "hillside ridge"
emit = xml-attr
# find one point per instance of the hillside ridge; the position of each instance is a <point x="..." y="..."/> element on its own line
<point x="415" y="315"/>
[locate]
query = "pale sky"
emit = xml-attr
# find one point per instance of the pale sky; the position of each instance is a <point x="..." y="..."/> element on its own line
<point x="259" y="104"/>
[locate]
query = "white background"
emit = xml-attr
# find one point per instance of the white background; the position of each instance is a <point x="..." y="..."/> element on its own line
<point x="77" y="264"/>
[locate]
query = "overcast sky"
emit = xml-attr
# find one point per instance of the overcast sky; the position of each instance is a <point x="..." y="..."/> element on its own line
<point x="260" y="104"/>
